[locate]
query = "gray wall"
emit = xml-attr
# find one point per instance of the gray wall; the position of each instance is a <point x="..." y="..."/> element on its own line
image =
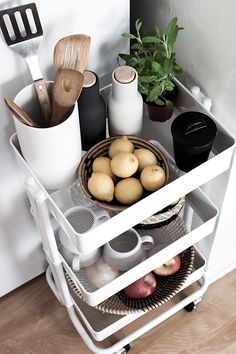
<point x="145" y="10"/>
<point x="206" y="51"/>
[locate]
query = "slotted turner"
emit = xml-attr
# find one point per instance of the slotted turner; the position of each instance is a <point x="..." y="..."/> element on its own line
<point x="16" y="25"/>
<point x="71" y="52"/>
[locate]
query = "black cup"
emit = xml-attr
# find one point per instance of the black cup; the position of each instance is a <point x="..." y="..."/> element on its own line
<point x="193" y="135"/>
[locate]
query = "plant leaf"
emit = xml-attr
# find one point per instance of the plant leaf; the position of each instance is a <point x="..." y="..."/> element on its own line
<point x="125" y="56"/>
<point x="169" y="104"/>
<point x="177" y="68"/>
<point x="172" y="32"/>
<point x="169" y="87"/>
<point x="146" y="79"/>
<point x="171" y="39"/>
<point x="159" y="102"/>
<point x="168" y="66"/>
<point x="157" y="67"/>
<point x="151" y="39"/>
<point x="138" y="47"/>
<point x="158" y="30"/>
<point x="171" y="26"/>
<point x="130" y="60"/>
<point x="128" y="35"/>
<point x="134" y="61"/>
<point x="154" y="93"/>
<point x="138" y="25"/>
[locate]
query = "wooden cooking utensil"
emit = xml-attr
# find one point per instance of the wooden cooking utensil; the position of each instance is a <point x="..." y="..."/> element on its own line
<point x="66" y="90"/>
<point x="26" y="43"/>
<point x="71" y="52"/>
<point x="19" y="113"/>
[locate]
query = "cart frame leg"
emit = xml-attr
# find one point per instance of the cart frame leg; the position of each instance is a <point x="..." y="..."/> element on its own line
<point x="120" y="345"/>
<point x="60" y="288"/>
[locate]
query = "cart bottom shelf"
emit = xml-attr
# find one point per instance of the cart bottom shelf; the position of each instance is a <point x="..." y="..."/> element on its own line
<point x="102" y="325"/>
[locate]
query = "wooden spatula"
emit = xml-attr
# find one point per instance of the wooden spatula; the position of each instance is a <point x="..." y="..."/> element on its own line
<point x="19" y="113"/>
<point x="66" y="90"/>
<point x="71" y="52"/>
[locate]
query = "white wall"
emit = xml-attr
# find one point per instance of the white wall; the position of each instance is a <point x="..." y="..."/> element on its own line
<point x="207" y="52"/>
<point x="21" y="257"/>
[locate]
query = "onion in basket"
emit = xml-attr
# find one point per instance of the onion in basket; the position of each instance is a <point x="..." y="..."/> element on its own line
<point x="100" y="273"/>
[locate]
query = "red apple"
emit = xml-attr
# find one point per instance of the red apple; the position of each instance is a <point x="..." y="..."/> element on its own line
<point x="170" y="267"/>
<point x="142" y="287"/>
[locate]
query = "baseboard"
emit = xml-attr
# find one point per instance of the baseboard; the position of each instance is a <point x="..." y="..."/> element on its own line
<point x="219" y="269"/>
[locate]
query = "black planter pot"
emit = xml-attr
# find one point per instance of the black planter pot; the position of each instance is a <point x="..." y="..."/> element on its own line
<point x="92" y="112"/>
<point x="159" y="113"/>
<point x="162" y="113"/>
<point x="171" y="95"/>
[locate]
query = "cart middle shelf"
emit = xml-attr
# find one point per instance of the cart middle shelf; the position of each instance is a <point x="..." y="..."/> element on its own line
<point x="195" y="221"/>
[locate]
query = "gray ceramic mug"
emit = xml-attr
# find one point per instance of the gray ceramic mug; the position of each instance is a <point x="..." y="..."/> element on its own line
<point x="127" y="250"/>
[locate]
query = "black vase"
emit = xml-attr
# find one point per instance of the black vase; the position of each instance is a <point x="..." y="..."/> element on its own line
<point x="92" y="112"/>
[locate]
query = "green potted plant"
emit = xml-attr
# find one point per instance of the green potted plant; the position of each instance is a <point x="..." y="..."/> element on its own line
<point x="153" y="58"/>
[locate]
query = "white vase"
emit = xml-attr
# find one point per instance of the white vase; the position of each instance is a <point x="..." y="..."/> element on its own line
<point x="52" y="153"/>
<point x="125" y="103"/>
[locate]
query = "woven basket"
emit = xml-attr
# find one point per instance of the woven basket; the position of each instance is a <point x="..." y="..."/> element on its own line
<point x="101" y="149"/>
<point x="167" y="286"/>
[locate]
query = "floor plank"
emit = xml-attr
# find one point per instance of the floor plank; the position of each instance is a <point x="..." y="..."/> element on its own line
<point x="33" y="322"/>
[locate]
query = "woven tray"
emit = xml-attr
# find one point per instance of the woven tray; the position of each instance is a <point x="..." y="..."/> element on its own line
<point x="167" y="287"/>
<point x="164" y="216"/>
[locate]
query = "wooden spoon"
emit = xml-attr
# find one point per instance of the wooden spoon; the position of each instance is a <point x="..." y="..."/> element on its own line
<point x="19" y="113"/>
<point x="71" y="52"/>
<point x="66" y="90"/>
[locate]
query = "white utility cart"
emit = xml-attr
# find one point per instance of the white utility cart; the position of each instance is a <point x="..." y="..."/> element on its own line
<point x="198" y="215"/>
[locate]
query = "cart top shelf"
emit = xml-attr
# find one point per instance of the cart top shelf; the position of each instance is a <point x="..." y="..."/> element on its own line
<point x="180" y="185"/>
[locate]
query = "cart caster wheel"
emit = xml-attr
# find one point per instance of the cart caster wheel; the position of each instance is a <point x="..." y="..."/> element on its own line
<point x="127" y="348"/>
<point x="124" y="350"/>
<point x="190" y="307"/>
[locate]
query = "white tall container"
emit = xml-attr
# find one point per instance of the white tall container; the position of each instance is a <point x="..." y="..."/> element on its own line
<point x="52" y="153"/>
<point x="125" y="103"/>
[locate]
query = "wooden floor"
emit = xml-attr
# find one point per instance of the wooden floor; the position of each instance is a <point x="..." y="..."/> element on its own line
<point x="33" y="322"/>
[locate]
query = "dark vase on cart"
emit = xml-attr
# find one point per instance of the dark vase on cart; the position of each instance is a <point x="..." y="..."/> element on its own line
<point x="92" y="112"/>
